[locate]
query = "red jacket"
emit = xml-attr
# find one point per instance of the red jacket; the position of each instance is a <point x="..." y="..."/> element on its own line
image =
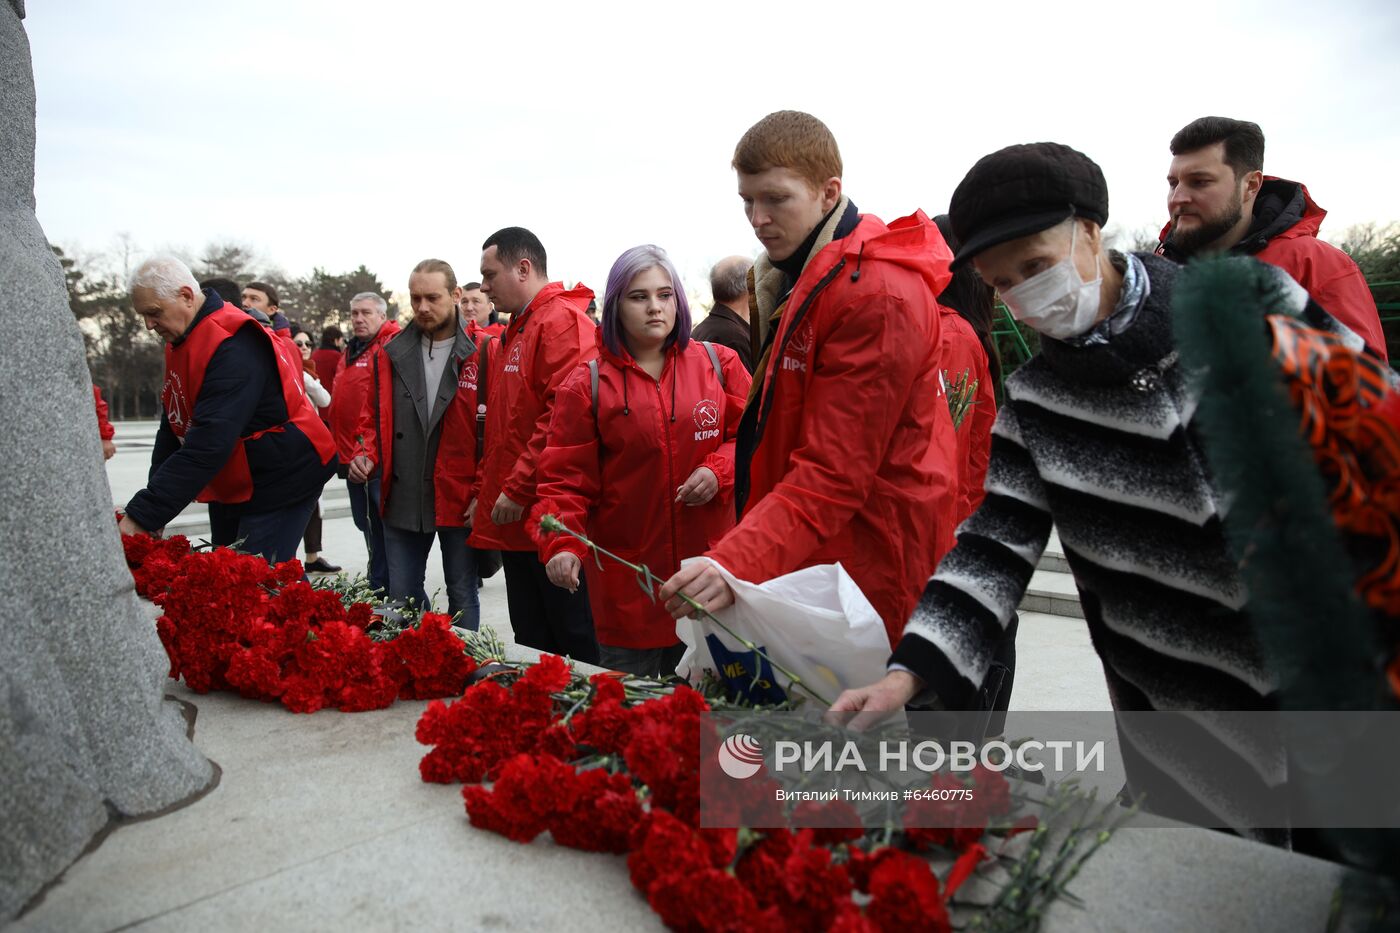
<point x="353" y="380"/>
<point x="615" y="476"/>
<point x="541" y="347"/>
<point x="1328" y="274"/>
<point x="454" y="472"/>
<point x="1286" y="224"/>
<point x="327" y="363"/>
<point x="104" y="427"/>
<point x="855" y="461"/>
<point x="185" y="365"/>
<point x="963" y="353"/>
<point x="478" y="333"/>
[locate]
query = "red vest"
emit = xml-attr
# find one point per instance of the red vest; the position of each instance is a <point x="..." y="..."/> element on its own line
<point x="185" y="365"/>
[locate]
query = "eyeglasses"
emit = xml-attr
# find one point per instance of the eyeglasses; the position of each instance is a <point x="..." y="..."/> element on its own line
<point x="301" y="343"/>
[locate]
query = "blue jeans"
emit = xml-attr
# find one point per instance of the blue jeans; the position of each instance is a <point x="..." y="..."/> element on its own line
<point x="407" y="555"/>
<point x="272" y="535"/>
<point x="364" y="511"/>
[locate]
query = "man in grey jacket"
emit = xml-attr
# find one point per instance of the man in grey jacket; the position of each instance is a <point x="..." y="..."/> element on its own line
<point x="418" y="431"/>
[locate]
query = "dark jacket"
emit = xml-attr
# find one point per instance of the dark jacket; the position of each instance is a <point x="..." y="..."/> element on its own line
<point x="241" y="395"/>
<point x="725" y="327"/>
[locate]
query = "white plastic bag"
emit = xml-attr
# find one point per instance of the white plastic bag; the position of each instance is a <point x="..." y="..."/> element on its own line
<point x="815" y="622"/>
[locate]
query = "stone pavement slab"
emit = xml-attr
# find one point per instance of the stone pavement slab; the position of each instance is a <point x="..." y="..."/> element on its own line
<point x="1056" y="666"/>
<point x="321" y="822"/>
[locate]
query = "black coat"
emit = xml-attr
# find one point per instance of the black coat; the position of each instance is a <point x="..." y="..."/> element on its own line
<point x="241" y="395"/>
<point x="726" y="328"/>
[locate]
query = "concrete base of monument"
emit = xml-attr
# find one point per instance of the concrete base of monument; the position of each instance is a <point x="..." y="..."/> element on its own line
<point x="321" y="822"/>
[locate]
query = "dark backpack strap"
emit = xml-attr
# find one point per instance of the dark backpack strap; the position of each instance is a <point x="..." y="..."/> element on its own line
<point x="593" y="387"/>
<point x="714" y="361"/>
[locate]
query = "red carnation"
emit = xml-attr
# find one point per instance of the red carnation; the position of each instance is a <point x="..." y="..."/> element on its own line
<point x="433" y="658"/>
<point x="662" y="845"/>
<point x="710" y="900"/>
<point x="519" y="805"/>
<point x="786" y="871"/>
<point x="605" y="724"/>
<point x="992" y="790"/>
<point x="488" y="725"/>
<point x="905" y="896"/>
<point x="602" y="815"/>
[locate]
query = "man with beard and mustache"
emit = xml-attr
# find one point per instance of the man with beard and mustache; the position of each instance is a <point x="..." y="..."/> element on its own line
<point x="417" y="434"/>
<point x="1221" y="201"/>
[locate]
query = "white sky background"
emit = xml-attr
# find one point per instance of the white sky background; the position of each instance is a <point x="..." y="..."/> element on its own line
<point x="336" y="133"/>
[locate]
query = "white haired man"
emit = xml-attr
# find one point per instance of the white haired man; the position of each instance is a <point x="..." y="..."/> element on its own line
<point x="370" y="330"/>
<point x="236" y="431"/>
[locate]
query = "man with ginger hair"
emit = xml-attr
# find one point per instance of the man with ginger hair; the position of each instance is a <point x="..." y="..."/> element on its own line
<point x="845" y="453"/>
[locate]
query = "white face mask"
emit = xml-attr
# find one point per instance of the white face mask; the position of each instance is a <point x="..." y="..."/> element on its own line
<point x="1057" y="302"/>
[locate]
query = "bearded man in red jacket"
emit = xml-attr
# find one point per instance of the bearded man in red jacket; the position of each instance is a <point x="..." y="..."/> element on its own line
<point x="846" y="452"/>
<point x="1221" y="201"/>
<point x="549" y="336"/>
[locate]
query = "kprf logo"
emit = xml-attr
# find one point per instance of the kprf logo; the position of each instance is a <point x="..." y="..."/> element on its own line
<point x="706" y="414"/>
<point x="740" y="756"/>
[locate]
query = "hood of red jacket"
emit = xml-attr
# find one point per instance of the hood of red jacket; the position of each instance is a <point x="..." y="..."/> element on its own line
<point x="579" y="296"/>
<point x="913" y="242"/>
<point x="1283" y="209"/>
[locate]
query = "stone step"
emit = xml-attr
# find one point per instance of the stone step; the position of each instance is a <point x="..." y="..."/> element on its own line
<point x="1052" y="593"/>
<point x="1053" y="559"/>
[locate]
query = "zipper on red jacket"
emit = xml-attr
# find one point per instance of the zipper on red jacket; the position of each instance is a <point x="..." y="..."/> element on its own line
<point x="667" y="431"/>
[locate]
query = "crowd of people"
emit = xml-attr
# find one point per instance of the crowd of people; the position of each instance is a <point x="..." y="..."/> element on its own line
<point x="806" y="421"/>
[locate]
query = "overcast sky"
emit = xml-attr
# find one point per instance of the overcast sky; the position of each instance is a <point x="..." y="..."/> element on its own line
<point x="336" y="133"/>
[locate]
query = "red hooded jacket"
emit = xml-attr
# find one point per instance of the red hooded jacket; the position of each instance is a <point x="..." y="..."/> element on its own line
<point x="615" y="477"/>
<point x="963" y="353"/>
<point x="541" y="347"/>
<point x="1286" y="224"/>
<point x="855" y="459"/>
<point x="454" y="473"/>
<point x="353" y="382"/>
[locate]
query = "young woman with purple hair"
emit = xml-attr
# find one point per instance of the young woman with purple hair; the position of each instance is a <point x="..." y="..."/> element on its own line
<point x="641" y="456"/>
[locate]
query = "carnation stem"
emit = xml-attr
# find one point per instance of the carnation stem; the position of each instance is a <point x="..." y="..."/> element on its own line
<point x="649" y="581"/>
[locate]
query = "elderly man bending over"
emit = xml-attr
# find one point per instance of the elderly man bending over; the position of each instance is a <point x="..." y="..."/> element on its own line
<point x="236" y="430"/>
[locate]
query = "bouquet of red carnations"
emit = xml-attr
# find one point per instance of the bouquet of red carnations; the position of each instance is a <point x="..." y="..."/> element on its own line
<point x="232" y="622"/>
<point x="611" y="764"/>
